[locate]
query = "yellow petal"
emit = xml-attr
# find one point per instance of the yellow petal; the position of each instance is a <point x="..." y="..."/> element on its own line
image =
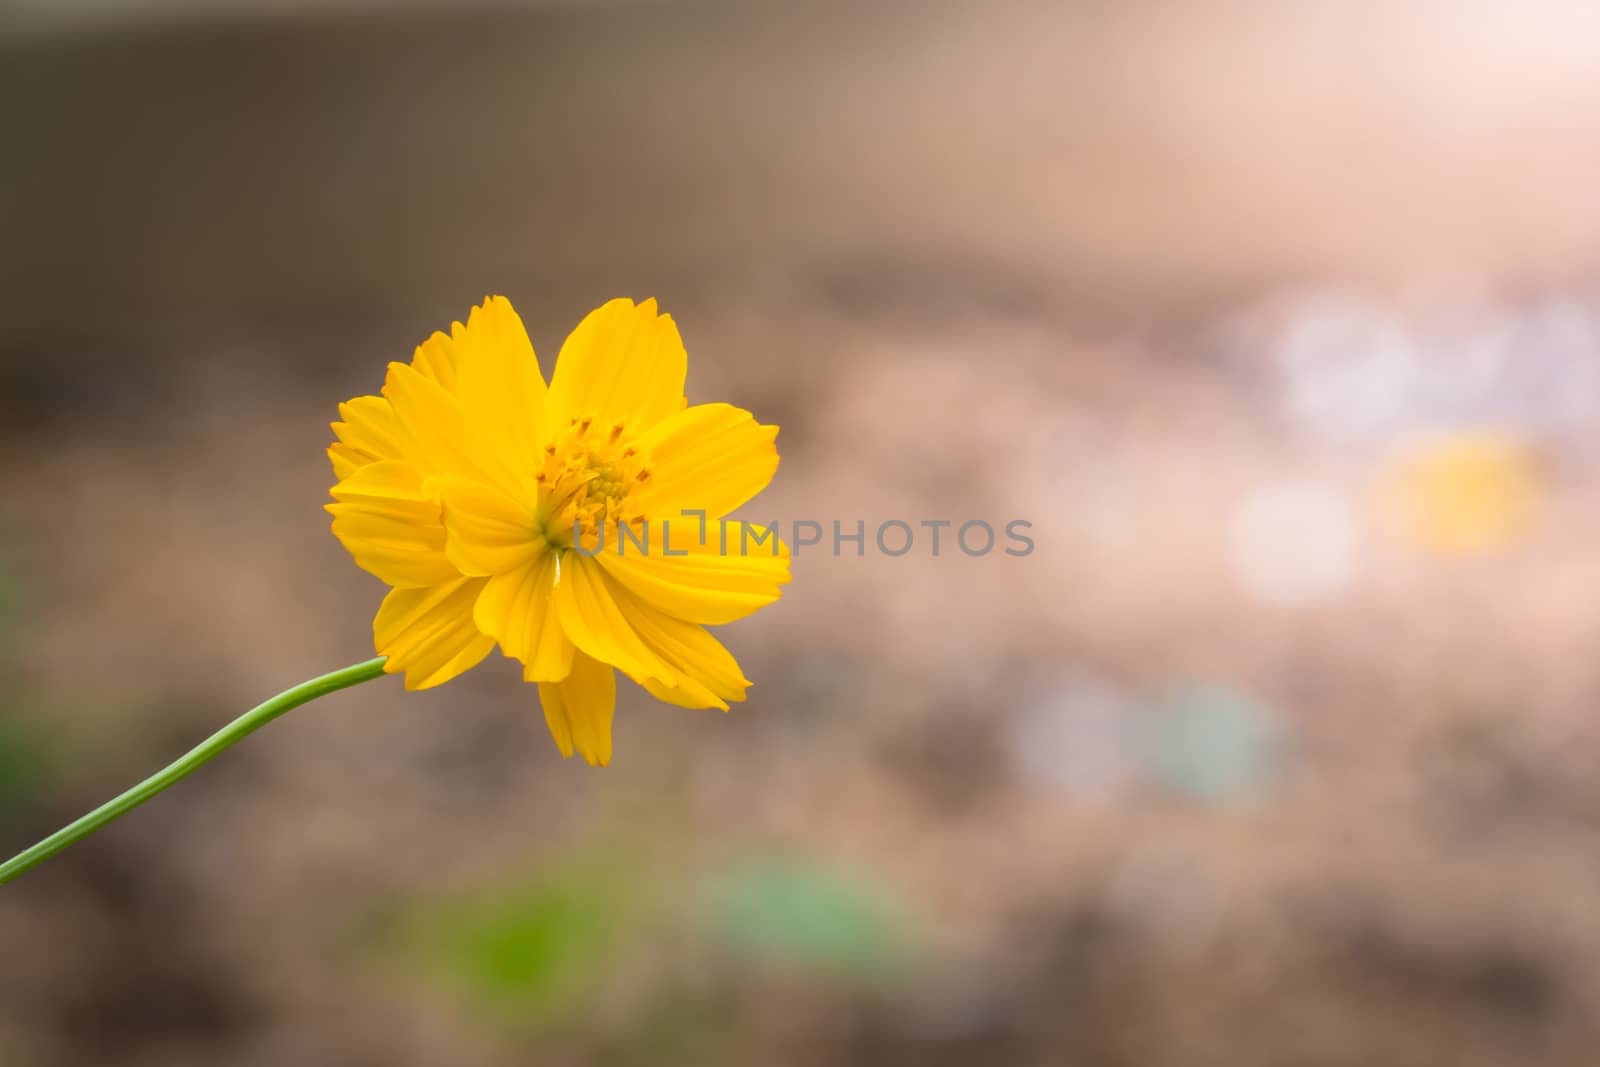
<point x="711" y="458"/>
<point x="390" y="525"/>
<point x="437" y="358"/>
<point x="624" y="363"/>
<point x="428" y="634"/>
<point x="740" y="568"/>
<point x="432" y="430"/>
<point x="367" y="432"/>
<point x="346" y="460"/>
<point x="488" y="531"/>
<point x="579" y="709"/>
<point x="708" y="675"/>
<point x="502" y="391"/>
<point x="518" y="610"/>
<point x="685" y="696"/>
<point x="586" y="601"/>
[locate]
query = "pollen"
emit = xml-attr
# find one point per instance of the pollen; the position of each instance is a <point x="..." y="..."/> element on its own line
<point x="585" y="480"/>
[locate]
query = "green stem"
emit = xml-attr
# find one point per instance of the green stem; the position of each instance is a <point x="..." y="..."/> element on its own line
<point x="183" y="766"/>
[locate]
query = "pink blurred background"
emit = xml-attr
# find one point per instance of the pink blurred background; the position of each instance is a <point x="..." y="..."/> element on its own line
<point x="1278" y="323"/>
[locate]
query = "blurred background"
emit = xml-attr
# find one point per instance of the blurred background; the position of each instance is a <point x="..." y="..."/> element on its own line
<point x="1278" y="322"/>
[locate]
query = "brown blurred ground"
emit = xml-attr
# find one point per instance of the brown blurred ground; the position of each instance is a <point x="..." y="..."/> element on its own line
<point x="979" y="261"/>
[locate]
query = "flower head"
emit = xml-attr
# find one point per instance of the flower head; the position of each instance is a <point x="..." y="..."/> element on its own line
<point x="577" y="525"/>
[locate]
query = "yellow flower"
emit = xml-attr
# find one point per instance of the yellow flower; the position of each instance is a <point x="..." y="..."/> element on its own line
<point x="494" y="505"/>
<point x="1465" y="492"/>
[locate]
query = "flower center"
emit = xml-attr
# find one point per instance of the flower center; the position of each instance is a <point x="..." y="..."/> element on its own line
<point x="585" y="480"/>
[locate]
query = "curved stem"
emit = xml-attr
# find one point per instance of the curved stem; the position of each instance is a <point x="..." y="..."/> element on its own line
<point x="183" y="766"/>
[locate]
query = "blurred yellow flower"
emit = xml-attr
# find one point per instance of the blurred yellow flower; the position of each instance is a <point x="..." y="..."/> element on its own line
<point x="495" y="506"/>
<point x="1465" y="492"/>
